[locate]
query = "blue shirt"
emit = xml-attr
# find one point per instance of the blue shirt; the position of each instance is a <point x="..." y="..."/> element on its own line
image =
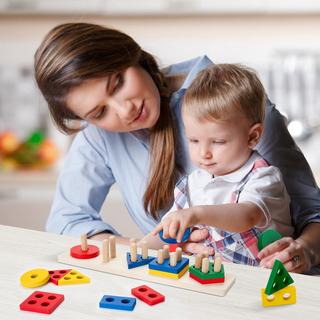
<point x="97" y="159"/>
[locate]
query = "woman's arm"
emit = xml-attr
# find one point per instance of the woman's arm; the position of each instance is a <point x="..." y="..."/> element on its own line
<point x="82" y="187"/>
<point x="310" y="243"/>
<point x="106" y="235"/>
<point x="280" y="150"/>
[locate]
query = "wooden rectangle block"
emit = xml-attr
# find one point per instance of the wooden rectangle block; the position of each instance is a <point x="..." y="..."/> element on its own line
<point x="118" y="266"/>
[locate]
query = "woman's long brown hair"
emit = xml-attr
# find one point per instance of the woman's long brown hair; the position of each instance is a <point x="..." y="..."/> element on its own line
<point x="74" y="52"/>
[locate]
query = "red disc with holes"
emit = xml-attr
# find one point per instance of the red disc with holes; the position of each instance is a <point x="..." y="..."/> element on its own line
<point x="78" y="253"/>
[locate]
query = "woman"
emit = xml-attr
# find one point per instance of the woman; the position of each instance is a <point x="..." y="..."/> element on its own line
<point x="133" y="136"/>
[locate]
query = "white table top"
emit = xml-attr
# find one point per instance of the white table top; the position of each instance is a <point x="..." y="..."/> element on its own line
<point x="22" y="250"/>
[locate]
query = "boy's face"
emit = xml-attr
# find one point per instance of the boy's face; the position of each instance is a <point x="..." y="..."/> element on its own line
<point x="220" y="146"/>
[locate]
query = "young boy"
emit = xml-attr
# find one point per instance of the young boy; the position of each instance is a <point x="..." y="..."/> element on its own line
<point x="234" y="192"/>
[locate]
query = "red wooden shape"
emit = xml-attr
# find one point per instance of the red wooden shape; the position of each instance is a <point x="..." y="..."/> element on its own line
<point x="148" y="295"/>
<point x="42" y="302"/>
<point x="92" y="252"/>
<point x="206" y="281"/>
<point x="56" y="275"/>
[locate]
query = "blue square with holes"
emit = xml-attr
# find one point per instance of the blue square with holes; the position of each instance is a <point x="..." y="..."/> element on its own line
<point x="165" y="266"/>
<point x="140" y="261"/>
<point x="117" y="302"/>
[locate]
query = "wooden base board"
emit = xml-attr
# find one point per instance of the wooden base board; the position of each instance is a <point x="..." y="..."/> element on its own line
<point x="118" y="266"/>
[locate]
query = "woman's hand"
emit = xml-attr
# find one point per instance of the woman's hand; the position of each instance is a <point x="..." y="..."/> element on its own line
<point x="176" y="223"/>
<point x="294" y="254"/>
<point x="106" y="235"/>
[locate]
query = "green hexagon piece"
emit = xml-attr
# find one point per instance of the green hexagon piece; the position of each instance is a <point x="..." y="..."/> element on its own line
<point x="209" y="275"/>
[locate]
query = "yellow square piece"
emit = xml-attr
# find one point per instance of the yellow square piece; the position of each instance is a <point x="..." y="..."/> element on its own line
<point x="169" y="274"/>
<point x="73" y="277"/>
<point x="284" y="296"/>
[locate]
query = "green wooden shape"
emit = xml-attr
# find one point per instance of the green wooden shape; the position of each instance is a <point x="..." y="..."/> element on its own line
<point x="267" y="237"/>
<point x="279" y="278"/>
<point x="210" y="275"/>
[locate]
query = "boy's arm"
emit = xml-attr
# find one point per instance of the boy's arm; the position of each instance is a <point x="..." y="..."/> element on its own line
<point x="233" y="217"/>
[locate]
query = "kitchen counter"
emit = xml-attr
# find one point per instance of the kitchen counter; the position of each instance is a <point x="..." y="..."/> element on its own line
<point x="26" y="198"/>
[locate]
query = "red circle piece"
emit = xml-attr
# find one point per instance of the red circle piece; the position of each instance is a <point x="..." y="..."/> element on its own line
<point x="92" y="252"/>
<point x="173" y="247"/>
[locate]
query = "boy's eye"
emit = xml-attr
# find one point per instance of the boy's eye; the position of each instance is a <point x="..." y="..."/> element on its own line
<point x="219" y="142"/>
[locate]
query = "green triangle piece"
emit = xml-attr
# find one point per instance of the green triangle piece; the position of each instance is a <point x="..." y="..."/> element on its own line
<point x="279" y="278"/>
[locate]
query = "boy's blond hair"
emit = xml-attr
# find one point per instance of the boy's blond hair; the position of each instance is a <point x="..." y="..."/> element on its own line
<point x="221" y="90"/>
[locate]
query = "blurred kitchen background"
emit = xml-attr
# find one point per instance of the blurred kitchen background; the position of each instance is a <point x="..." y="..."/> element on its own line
<point x="280" y="38"/>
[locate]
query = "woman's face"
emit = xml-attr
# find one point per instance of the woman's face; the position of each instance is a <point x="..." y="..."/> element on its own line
<point x="123" y="102"/>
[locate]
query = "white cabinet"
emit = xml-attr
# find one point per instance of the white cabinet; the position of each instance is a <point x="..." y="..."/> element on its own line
<point x="51" y="7"/>
<point x="158" y="7"/>
<point x="25" y="201"/>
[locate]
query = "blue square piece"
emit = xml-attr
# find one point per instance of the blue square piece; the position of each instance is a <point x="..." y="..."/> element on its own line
<point x="139" y="262"/>
<point x="165" y="266"/>
<point x="117" y="302"/>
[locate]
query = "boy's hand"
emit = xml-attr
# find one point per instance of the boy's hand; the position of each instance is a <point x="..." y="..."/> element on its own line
<point x="195" y="245"/>
<point x="176" y="224"/>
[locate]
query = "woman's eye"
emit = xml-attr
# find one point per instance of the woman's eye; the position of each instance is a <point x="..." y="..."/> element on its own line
<point x="193" y="140"/>
<point x="118" y="82"/>
<point x="101" y="113"/>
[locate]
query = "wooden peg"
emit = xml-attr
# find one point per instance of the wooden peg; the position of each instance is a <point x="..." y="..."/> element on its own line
<point x="179" y="253"/>
<point x="165" y="251"/>
<point x="105" y="250"/>
<point x="133" y="251"/>
<point x="205" y="265"/>
<point x="198" y="261"/>
<point x="160" y="256"/>
<point x="173" y="259"/>
<point x="84" y="242"/>
<point x="205" y="254"/>
<point x="217" y="263"/>
<point x="144" y="250"/>
<point x="113" y="252"/>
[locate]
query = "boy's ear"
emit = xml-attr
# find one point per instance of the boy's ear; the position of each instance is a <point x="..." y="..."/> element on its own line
<point x="255" y="133"/>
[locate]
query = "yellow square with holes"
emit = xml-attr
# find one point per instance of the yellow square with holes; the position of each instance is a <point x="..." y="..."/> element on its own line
<point x="284" y="296"/>
<point x="169" y="274"/>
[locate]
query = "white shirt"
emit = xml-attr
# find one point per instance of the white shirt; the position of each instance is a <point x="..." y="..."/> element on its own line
<point x="262" y="186"/>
